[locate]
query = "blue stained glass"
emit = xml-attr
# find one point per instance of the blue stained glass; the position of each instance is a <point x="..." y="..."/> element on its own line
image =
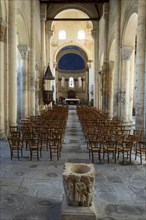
<point x="71" y="61"/>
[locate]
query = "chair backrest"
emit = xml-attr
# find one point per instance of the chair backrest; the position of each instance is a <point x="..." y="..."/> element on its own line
<point x="15" y="134"/>
<point x="127" y="144"/>
<point x="138" y="133"/>
<point x="13" y="128"/>
<point x="14" y="142"/>
<point x="33" y="142"/>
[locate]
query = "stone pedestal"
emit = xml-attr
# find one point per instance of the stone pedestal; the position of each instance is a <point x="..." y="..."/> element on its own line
<point x="77" y="213"/>
<point x="78" y="181"/>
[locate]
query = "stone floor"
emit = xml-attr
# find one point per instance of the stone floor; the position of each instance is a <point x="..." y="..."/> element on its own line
<point x="33" y="190"/>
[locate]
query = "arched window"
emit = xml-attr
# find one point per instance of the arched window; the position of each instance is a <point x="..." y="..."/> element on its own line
<point x="81" y="35"/>
<point x="79" y="82"/>
<point x="62" y="35"/>
<point x="71" y="82"/>
<point x="62" y="82"/>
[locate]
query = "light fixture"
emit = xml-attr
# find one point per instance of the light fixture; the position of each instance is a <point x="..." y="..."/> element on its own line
<point x="48" y="74"/>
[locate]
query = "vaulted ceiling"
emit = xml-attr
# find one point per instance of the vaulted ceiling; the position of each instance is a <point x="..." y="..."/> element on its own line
<point x="96" y="6"/>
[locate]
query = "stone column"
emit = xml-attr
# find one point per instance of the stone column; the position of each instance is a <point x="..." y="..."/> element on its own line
<point x="105" y="81"/>
<point x="32" y="62"/>
<point x="49" y="35"/>
<point x="12" y="63"/>
<point x="95" y="35"/>
<point x="37" y="68"/>
<point x="24" y="55"/>
<point x="131" y="86"/>
<point x="2" y="39"/>
<point x="43" y="51"/>
<point x="117" y="57"/>
<point x="140" y="67"/>
<point x="43" y="37"/>
<point x="106" y="27"/>
<point x="126" y="53"/>
<point x="55" y="73"/>
<point x="111" y="89"/>
<point x="106" y="61"/>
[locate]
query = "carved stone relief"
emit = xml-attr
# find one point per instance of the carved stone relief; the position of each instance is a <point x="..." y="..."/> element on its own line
<point x="78" y="180"/>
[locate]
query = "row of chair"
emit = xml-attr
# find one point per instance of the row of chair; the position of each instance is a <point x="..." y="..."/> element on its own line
<point x="107" y="137"/>
<point x="35" y="133"/>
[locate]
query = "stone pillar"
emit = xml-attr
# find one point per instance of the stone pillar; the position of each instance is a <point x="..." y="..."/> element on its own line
<point x="12" y="63"/>
<point x="24" y="55"/>
<point x="32" y="62"/>
<point x="55" y="73"/>
<point x="117" y="57"/>
<point x="2" y="39"/>
<point x="131" y="86"/>
<point x="43" y="37"/>
<point x="43" y="51"/>
<point x="37" y="68"/>
<point x="105" y="78"/>
<point x="106" y="62"/>
<point x="95" y="35"/>
<point x="106" y="27"/>
<point x="49" y="35"/>
<point x="140" y="67"/>
<point x="111" y="89"/>
<point x="126" y="53"/>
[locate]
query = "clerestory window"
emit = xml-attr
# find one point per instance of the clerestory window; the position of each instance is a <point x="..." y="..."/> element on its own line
<point x="81" y="35"/>
<point x="62" y="35"/>
<point x="71" y="82"/>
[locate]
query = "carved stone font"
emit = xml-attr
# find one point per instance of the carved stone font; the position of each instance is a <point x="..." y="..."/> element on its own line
<point x="78" y="181"/>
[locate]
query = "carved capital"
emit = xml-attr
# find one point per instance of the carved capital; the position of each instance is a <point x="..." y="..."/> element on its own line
<point x="23" y="50"/>
<point x="2" y="30"/>
<point x="126" y="52"/>
<point x="94" y="34"/>
<point x="105" y="66"/>
<point x="106" y="12"/>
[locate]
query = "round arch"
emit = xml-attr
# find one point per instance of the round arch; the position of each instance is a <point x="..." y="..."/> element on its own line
<point x="128" y="39"/>
<point x="58" y="10"/>
<point x="22" y="28"/>
<point x="85" y="52"/>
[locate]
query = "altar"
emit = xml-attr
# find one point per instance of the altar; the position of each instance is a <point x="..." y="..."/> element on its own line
<point x="72" y="101"/>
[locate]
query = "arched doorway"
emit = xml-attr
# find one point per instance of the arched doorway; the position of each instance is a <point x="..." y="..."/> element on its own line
<point x="72" y="79"/>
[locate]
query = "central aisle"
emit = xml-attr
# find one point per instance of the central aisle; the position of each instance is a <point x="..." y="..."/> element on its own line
<point x="74" y="143"/>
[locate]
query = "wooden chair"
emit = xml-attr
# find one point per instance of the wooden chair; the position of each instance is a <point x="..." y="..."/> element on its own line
<point x="140" y="150"/>
<point x="16" y="134"/>
<point x="27" y="134"/>
<point x="124" y="147"/>
<point x="15" y="145"/>
<point x="95" y="149"/>
<point x="43" y="136"/>
<point x="138" y="133"/>
<point x="111" y="148"/>
<point x="34" y="146"/>
<point x="55" y="144"/>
